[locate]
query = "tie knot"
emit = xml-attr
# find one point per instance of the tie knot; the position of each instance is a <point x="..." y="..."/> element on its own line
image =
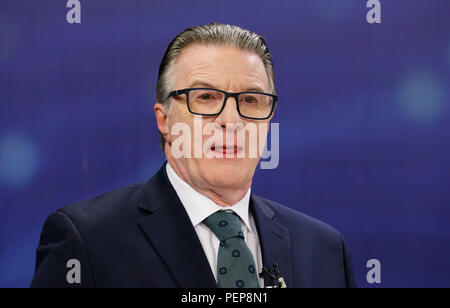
<point x="224" y="225"/>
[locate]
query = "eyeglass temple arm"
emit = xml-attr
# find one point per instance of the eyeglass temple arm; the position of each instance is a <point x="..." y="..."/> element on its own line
<point x="177" y="93"/>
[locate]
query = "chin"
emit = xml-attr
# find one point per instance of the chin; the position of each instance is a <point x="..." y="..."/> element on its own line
<point x="222" y="172"/>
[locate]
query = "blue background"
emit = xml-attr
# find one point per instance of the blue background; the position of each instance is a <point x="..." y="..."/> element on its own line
<point x="364" y="118"/>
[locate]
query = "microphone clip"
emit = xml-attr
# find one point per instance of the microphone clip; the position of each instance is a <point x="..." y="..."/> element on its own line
<point x="275" y="275"/>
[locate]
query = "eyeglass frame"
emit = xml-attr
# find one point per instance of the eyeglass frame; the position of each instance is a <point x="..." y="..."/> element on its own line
<point x="227" y="95"/>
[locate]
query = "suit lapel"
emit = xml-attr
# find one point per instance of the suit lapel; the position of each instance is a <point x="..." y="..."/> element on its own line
<point x="274" y="240"/>
<point x="169" y="229"/>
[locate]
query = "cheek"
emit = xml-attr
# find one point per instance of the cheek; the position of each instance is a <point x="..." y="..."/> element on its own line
<point x="179" y="117"/>
<point x="174" y="114"/>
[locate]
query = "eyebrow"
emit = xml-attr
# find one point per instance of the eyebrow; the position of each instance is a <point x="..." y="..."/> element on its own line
<point x="201" y="84"/>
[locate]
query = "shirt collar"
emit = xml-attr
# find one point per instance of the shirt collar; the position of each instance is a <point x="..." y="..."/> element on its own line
<point x="199" y="207"/>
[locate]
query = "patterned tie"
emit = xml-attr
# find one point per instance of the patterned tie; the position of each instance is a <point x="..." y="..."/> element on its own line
<point x="235" y="265"/>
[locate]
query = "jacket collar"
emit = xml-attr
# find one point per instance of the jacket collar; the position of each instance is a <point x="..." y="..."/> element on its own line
<point x="169" y="229"/>
<point x="274" y="240"/>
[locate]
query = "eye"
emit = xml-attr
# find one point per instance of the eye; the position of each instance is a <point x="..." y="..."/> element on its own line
<point x="250" y="99"/>
<point x="205" y="96"/>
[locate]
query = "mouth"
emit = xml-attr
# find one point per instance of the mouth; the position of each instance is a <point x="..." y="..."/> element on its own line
<point x="227" y="151"/>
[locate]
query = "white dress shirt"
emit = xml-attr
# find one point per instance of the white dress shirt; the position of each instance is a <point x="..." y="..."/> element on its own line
<point x="199" y="207"/>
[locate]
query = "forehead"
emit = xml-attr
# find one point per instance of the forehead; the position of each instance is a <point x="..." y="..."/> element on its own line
<point x="225" y="67"/>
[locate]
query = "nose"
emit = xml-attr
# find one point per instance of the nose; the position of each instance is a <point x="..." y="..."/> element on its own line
<point x="229" y="113"/>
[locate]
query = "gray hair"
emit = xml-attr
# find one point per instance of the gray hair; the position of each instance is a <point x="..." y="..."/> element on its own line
<point x="210" y="34"/>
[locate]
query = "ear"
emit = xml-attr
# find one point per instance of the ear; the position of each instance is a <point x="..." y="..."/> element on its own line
<point x="161" y="115"/>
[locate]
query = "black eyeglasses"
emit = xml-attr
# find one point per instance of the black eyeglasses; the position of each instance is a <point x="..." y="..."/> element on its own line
<point x="211" y="102"/>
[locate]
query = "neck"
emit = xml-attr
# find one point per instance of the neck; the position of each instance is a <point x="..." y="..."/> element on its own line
<point x="222" y="196"/>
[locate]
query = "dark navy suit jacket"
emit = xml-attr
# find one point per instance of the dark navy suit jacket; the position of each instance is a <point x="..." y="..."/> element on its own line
<point x="141" y="236"/>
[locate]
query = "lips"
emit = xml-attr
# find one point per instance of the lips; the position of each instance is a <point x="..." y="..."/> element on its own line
<point x="226" y="150"/>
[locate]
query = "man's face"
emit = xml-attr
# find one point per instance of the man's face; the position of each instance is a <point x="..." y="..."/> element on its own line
<point x="228" y="69"/>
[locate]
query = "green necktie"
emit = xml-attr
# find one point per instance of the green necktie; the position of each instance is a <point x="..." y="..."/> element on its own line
<point x="235" y="265"/>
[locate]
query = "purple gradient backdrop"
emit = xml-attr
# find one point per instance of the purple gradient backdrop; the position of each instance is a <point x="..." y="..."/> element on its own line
<point x="364" y="118"/>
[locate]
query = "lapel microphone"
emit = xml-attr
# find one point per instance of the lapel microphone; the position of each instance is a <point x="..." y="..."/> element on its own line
<point x="275" y="275"/>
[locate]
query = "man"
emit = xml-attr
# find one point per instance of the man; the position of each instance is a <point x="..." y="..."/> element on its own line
<point x="195" y="223"/>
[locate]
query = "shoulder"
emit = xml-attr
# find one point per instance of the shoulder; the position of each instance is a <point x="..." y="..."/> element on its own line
<point x="302" y="224"/>
<point x="111" y="208"/>
<point x="319" y="250"/>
